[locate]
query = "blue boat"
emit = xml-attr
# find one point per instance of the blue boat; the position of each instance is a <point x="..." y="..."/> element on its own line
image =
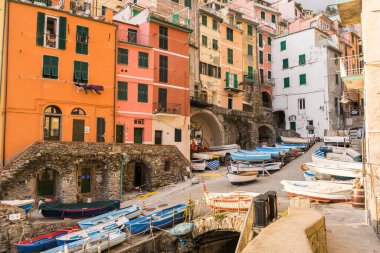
<point x="269" y="149"/>
<point x="25" y="204"/>
<point x="92" y="244"/>
<point x="258" y="152"/>
<point x="160" y="219"/>
<point x="300" y="145"/>
<point x="43" y="242"/>
<point x="130" y="212"/>
<point x="250" y="157"/>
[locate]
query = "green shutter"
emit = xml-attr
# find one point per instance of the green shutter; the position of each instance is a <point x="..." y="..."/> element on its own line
<point x="302" y="79"/>
<point x="54" y="66"/>
<point x="260" y="40"/>
<point x="40" y="28"/>
<point x="269" y="57"/>
<point x="142" y="93"/>
<point x="250" y="30"/>
<point x="285" y="63"/>
<point x="263" y="15"/>
<point x="269" y="41"/>
<point x="250" y="72"/>
<point x="283" y="45"/>
<point x="85" y="35"/>
<point x="204" y="20"/>
<point x="46" y="66"/>
<point x="214" y="24"/>
<point x="122" y="56"/>
<point x="175" y="18"/>
<point x="84" y="68"/>
<point x="77" y="71"/>
<point x="188" y="22"/>
<point x="122" y="91"/>
<point x="188" y="3"/>
<point x="135" y="12"/>
<point x="261" y="57"/>
<point x="227" y="79"/>
<point x="286" y="82"/>
<point x="79" y="45"/>
<point x="230" y="56"/>
<point x="62" y="33"/>
<point x="273" y="18"/>
<point x="301" y="59"/>
<point x="235" y="81"/>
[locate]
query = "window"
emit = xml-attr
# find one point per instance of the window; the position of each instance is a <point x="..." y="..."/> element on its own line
<point x="269" y="41"/>
<point x="119" y="133"/>
<point x="263" y="15"/>
<point x="175" y="18"/>
<point x="52" y="123"/>
<point x="336" y="79"/>
<point x="352" y="38"/>
<point x="215" y="44"/>
<point x="204" y="20"/>
<point x="122" y="56"/>
<point x="122" y="91"/>
<point x="188" y="3"/>
<point x="143" y="60"/>
<point x="269" y="75"/>
<point x="336" y="102"/>
<point x="177" y="135"/>
<point x="227" y="79"/>
<point x="80" y="72"/>
<point x="138" y="121"/>
<point x="163" y="37"/>
<point x="283" y="45"/>
<point x="303" y="79"/>
<point x="230" y="102"/>
<point x="262" y="75"/>
<point x="269" y="57"/>
<point x="301" y="59"/>
<point x="82" y="40"/>
<point x="273" y="18"/>
<point x="163" y="74"/>
<point x="250" y="50"/>
<point x="250" y="72"/>
<point x="310" y="123"/>
<point x="230" y="34"/>
<point x="230" y="54"/>
<point x="285" y="63"/>
<point x="142" y="95"/>
<point x="214" y="24"/>
<point x="250" y="30"/>
<point x="175" y="1"/>
<point x="261" y="57"/>
<point x="204" y="40"/>
<point x="236" y="83"/>
<point x="104" y="10"/>
<point x="50" y="67"/>
<point x="286" y="82"/>
<point x="78" y="111"/>
<point x="260" y="40"/>
<point x="132" y="36"/>
<point x="47" y="31"/>
<point x="301" y="103"/>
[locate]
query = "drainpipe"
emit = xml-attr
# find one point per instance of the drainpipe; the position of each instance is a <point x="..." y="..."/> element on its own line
<point x="115" y="85"/>
<point x="123" y="156"/>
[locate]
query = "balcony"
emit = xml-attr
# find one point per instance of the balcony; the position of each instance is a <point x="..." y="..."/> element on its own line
<point x="199" y="101"/>
<point x="328" y="43"/>
<point x="51" y="40"/>
<point x="166" y="109"/>
<point x="212" y="11"/>
<point x="351" y="71"/>
<point x="350" y="28"/>
<point x="265" y="81"/>
<point x="249" y="77"/>
<point x="133" y="37"/>
<point x="80" y="8"/>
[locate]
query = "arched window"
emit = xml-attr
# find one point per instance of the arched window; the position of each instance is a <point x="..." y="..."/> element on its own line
<point x="52" y="123"/>
<point x="78" y="111"/>
<point x="266" y="99"/>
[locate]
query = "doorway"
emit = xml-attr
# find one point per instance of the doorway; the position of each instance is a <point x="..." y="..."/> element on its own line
<point x="86" y="180"/>
<point x="78" y="130"/>
<point x="293" y="126"/>
<point x="162" y="100"/>
<point x="100" y="129"/>
<point x="138" y="135"/>
<point x="158" y="137"/>
<point x="46" y="183"/>
<point x="119" y="133"/>
<point x="52" y="123"/>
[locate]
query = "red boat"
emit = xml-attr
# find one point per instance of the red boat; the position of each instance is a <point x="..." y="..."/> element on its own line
<point x="43" y="242"/>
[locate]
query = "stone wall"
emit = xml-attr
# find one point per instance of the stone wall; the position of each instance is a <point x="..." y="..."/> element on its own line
<point x="19" y="178"/>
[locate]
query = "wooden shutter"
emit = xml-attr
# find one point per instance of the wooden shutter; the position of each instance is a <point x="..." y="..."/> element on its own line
<point x="142" y="93"/>
<point x="285" y="63"/>
<point x="283" y="45"/>
<point x="235" y="81"/>
<point x="122" y="91"/>
<point x="84" y="68"/>
<point x="286" y="82"/>
<point x="227" y="79"/>
<point x="175" y="18"/>
<point x="302" y="59"/>
<point x="54" y="66"/>
<point x="261" y="57"/>
<point x="77" y="71"/>
<point x="62" y="33"/>
<point x="40" y="29"/>
<point x="178" y="135"/>
<point x="46" y="66"/>
<point x="250" y="72"/>
<point x="303" y="79"/>
<point x="100" y="129"/>
<point x="260" y="40"/>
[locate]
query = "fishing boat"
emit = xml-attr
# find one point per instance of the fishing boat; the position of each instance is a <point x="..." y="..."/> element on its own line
<point x="78" y="210"/>
<point x="250" y="157"/>
<point x="242" y="177"/>
<point x="161" y="219"/>
<point x="231" y="201"/>
<point x="94" y="244"/>
<point x="309" y="176"/>
<point x="224" y="147"/>
<point x="319" y="191"/>
<point x="91" y="231"/>
<point x="273" y="154"/>
<point x="335" y="160"/>
<point x="279" y="145"/>
<point x="198" y="165"/>
<point x="273" y="149"/>
<point x="202" y="156"/>
<point x="130" y="212"/>
<point x="334" y="171"/>
<point x="255" y="167"/>
<point x="352" y="154"/>
<point x="216" y="154"/>
<point x="297" y="140"/>
<point x="336" y="139"/>
<point x="25" y="204"/>
<point x="43" y="242"/>
<point x="299" y="145"/>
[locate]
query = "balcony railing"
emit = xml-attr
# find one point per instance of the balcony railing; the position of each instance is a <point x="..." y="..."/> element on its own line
<point x="351" y="65"/>
<point x="80" y="8"/>
<point x="328" y="43"/>
<point x="212" y="11"/>
<point x="133" y="37"/>
<point x="169" y="108"/>
<point x="249" y="77"/>
<point x="51" y="40"/>
<point x="42" y="2"/>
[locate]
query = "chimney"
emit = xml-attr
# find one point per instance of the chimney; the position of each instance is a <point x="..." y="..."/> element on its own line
<point x="108" y="16"/>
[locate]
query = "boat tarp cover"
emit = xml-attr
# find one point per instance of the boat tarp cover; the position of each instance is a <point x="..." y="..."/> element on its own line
<point x="73" y="206"/>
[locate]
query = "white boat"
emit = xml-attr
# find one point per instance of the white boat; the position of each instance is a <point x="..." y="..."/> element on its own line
<point x="198" y="165"/>
<point x="221" y="152"/>
<point x="334" y="171"/>
<point x="224" y="147"/>
<point x="231" y="201"/>
<point x="242" y="177"/>
<point x="202" y="156"/>
<point x="319" y="191"/>
<point x="288" y="147"/>
<point x="256" y="167"/>
<point x="338" y="161"/>
<point x="25" y="204"/>
<point x="295" y="140"/>
<point x="336" y="139"/>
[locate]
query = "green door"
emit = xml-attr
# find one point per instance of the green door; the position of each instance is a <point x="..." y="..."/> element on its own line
<point x="158" y="137"/>
<point x="100" y="129"/>
<point x="293" y="126"/>
<point x="119" y="133"/>
<point x="78" y="130"/>
<point x="86" y="180"/>
<point x="162" y="99"/>
<point x="138" y="135"/>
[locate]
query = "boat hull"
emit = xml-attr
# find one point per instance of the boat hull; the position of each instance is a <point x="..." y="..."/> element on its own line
<point x="250" y="157"/>
<point x="295" y="140"/>
<point x="335" y="163"/>
<point x="232" y="201"/>
<point x="198" y="166"/>
<point x="334" y="171"/>
<point x="258" y="168"/>
<point x="288" y="147"/>
<point x="23" y="204"/>
<point x="242" y="177"/>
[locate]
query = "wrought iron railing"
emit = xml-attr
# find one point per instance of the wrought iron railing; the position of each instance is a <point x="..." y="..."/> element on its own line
<point x="351" y="65"/>
<point x="133" y="37"/>
<point x="51" y="40"/>
<point x="168" y="108"/>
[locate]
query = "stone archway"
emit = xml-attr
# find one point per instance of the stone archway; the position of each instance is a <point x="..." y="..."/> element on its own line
<point x="266" y="99"/>
<point x="266" y="135"/>
<point x="212" y="130"/>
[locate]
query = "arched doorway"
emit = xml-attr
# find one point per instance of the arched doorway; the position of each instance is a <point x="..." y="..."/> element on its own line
<point x="52" y="123"/>
<point x="266" y="135"/>
<point x="279" y="120"/>
<point x="266" y="99"/>
<point x="47" y="183"/>
<point x="205" y="125"/>
<point x="217" y="241"/>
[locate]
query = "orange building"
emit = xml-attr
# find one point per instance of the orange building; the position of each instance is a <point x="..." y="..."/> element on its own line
<point x="59" y="77"/>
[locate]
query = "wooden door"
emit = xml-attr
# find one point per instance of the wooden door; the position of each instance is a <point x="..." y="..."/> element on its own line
<point x="100" y="129"/>
<point x="138" y="135"/>
<point x="119" y="133"/>
<point x="158" y="137"/>
<point x="78" y="130"/>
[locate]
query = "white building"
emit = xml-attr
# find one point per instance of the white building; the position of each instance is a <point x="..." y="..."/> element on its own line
<point x="307" y="83"/>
